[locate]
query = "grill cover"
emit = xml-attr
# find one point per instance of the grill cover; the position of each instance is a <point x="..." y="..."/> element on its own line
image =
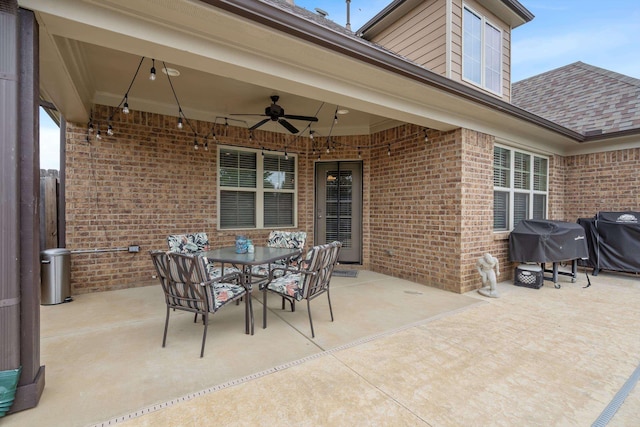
<point x="547" y="241"/>
<point x="614" y="241"/>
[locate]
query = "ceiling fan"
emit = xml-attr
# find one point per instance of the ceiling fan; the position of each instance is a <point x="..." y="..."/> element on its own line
<point x="275" y="113"/>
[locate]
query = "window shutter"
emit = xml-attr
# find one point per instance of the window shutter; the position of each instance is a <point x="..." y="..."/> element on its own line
<point x="501" y="167"/>
<point x="539" y="206"/>
<point x="520" y="207"/>
<point x="237" y="209"/>
<point x="279" y="173"/>
<point x="540" y="174"/>
<point x="237" y="169"/>
<point x="500" y="210"/>
<point x="522" y="171"/>
<point x="278" y="209"/>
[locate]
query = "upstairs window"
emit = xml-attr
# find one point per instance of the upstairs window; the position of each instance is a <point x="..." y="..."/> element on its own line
<point x="520" y="187"/>
<point x="247" y="201"/>
<point x="482" y="52"/>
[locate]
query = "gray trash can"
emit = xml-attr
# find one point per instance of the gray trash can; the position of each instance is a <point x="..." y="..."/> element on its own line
<point x="55" y="269"/>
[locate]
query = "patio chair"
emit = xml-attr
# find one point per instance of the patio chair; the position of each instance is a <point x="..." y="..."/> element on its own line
<point x="282" y="239"/>
<point x="192" y="243"/>
<point x="187" y="287"/>
<point x="307" y="281"/>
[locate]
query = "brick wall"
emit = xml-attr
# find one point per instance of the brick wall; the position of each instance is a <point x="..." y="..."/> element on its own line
<point x="415" y="206"/>
<point x="146" y="182"/>
<point x="597" y="182"/>
<point x="427" y="211"/>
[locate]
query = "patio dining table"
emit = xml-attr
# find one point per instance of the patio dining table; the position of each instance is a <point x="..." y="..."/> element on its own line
<point x="245" y="262"/>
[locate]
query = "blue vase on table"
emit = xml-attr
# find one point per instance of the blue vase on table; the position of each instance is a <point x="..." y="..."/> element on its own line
<point x="242" y="245"/>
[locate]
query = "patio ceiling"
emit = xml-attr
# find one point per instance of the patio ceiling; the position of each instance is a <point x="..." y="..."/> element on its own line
<point x="89" y="54"/>
<point x="233" y="55"/>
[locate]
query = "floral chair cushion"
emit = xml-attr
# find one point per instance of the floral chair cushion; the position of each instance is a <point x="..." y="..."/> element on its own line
<point x="287" y="285"/>
<point x="196" y="242"/>
<point x="188" y="243"/>
<point x="282" y="239"/>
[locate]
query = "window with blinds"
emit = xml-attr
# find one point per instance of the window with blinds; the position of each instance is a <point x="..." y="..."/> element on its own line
<point x="246" y="201"/>
<point x="519" y="187"/>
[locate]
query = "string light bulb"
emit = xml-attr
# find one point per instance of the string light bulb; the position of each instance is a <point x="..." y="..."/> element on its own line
<point x="195" y="144"/>
<point x="389" y="150"/>
<point x="359" y="153"/>
<point x="125" y="108"/>
<point x="311" y="132"/>
<point x="98" y="135"/>
<point x="206" y="145"/>
<point x="180" y="114"/>
<point x="91" y="127"/>
<point x="286" y="156"/>
<point x="152" y="74"/>
<point x="426" y="137"/>
<point x="335" y="119"/>
<point x="110" y="130"/>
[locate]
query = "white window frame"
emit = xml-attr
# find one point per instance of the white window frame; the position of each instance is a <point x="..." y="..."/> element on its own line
<point x="484" y="66"/>
<point x="259" y="190"/>
<point x="512" y="190"/>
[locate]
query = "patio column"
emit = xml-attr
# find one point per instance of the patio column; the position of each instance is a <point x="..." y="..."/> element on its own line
<point x="9" y="189"/>
<point x="19" y="213"/>
<point x="31" y="383"/>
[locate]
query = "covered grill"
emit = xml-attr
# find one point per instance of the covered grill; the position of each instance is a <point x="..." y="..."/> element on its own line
<point x="613" y="239"/>
<point x="543" y="241"/>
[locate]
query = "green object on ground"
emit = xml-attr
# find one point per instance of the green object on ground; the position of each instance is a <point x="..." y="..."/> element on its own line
<point x="8" y="385"/>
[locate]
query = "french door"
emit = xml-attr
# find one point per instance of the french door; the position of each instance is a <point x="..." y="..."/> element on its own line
<point x="338" y="207"/>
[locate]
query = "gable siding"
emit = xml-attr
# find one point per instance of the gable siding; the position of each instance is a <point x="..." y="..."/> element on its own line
<point x="420" y="36"/>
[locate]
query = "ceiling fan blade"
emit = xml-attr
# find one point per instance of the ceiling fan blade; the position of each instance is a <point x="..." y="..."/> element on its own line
<point x="260" y="123"/>
<point x="248" y="114"/>
<point x="305" y="118"/>
<point x="288" y="125"/>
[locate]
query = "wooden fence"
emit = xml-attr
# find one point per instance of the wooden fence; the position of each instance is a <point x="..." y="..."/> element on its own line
<point x="49" y="193"/>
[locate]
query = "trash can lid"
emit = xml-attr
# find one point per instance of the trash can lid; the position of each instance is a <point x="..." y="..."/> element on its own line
<point x="55" y="251"/>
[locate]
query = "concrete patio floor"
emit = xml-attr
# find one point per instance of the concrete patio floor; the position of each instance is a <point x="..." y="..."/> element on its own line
<point x="398" y="353"/>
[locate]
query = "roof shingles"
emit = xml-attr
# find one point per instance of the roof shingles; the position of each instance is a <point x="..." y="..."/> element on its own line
<point x="587" y="99"/>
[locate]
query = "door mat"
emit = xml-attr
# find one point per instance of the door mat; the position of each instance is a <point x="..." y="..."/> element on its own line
<point x="345" y="273"/>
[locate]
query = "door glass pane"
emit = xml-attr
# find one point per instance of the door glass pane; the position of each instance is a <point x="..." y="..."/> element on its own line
<point x="338" y="206"/>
